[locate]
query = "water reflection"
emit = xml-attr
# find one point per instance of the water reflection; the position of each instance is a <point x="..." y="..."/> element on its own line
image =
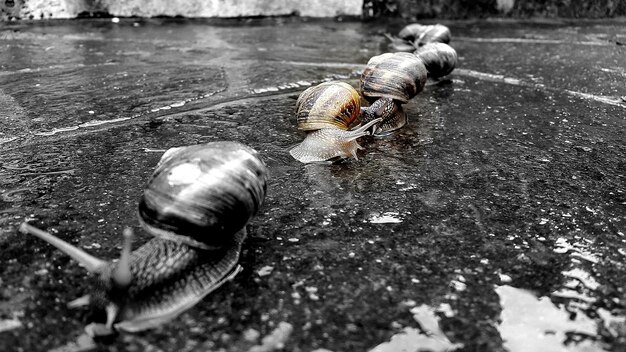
<point x="536" y="324"/>
<point x="429" y="337"/>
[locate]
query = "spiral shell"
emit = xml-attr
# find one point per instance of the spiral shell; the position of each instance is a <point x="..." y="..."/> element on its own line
<point x="439" y="58"/>
<point x="201" y="195"/>
<point x="424" y="34"/>
<point x="328" y="105"/>
<point x="399" y="76"/>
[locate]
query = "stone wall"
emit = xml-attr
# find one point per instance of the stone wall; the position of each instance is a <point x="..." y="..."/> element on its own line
<point x="458" y="9"/>
<point x="408" y="9"/>
<point x="55" y="9"/>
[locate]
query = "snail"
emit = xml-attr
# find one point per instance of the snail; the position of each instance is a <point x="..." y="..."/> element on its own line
<point x="330" y="113"/>
<point x="398" y="44"/>
<point x="388" y="81"/>
<point x="196" y="205"/>
<point x="416" y="35"/>
<point x="439" y="59"/>
<point x="419" y="35"/>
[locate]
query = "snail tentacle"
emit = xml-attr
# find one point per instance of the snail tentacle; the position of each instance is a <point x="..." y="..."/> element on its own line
<point x="122" y="275"/>
<point x="91" y="263"/>
<point x="390" y="111"/>
<point x="79" y="302"/>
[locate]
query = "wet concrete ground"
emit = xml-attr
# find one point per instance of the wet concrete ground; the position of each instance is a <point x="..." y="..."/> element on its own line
<point x="494" y="221"/>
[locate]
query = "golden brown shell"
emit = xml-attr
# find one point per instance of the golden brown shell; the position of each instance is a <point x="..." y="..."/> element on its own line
<point x="328" y="105"/>
<point x="399" y="76"/>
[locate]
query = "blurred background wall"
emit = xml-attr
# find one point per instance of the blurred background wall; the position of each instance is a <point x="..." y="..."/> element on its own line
<point x="407" y="9"/>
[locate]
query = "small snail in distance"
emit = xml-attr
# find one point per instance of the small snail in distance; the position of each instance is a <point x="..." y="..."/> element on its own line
<point x="399" y="44"/>
<point x="388" y="81"/>
<point x="418" y="35"/>
<point x="196" y="204"/>
<point x="329" y="113"/>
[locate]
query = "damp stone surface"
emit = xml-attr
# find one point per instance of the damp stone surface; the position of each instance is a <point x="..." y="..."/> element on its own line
<point x="494" y="221"/>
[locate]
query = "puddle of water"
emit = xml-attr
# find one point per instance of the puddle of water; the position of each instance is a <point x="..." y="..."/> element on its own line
<point x="429" y="338"/>
<point x="276" y="340"/>
<point x="536" y="324"/>
<point x="9" y="324"/>
<point x="577" y="250"/>
<point x="385" y="218"/>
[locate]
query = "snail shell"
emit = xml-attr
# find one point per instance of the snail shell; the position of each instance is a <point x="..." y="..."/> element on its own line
<point x="439" y="59"/>
<point x="423" y="34"/>
<point x="328" y="105"/>
<point x="202" y="194"/>
<point x="399" y="76"/>
<point x="389" y="80"/>
<point x="329" y="111"/>
<point x="217" y="187"/>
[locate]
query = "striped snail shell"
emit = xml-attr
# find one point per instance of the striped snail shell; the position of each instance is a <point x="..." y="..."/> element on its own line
<point x="389" y="80"/>
<point x="210" y="190"/>
<point x="328" y="105"/>
<point x="329" y="112"/>
<point x="423" y="34"/>
<point x="399" y="76"/>
<point x="200" y="195"/>
<point x="439" y="59"/>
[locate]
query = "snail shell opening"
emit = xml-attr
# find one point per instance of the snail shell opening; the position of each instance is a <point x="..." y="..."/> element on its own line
<point x="201" y="195"/>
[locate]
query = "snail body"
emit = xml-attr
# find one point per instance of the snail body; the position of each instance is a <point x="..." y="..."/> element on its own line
<point x="388" y="81"/>
<point x="196" y="204"/>
<point x="329" y="112"/>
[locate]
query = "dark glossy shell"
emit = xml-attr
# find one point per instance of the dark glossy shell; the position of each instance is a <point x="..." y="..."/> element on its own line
<point x="399" y="76"/>
<point x="424" y="34"/>
<point x="439" y="58"/>
<point x="203" y="194"/>
<point x="330" y="104"/>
